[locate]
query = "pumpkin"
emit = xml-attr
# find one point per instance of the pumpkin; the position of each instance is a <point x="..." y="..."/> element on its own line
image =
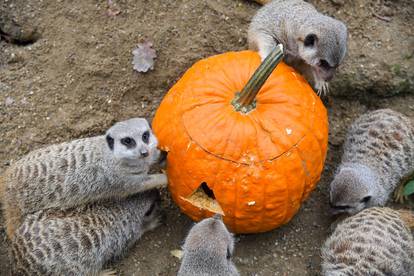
<point x="252" y="156"/>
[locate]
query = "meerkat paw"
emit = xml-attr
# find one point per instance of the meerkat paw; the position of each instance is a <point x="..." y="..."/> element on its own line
<point x="398" y="195"/>
<point x="158" y="180"/>
<point x="108" y="272"/>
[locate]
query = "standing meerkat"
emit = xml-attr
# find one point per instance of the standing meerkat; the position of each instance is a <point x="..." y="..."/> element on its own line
<point x="81" y="240"/>
<point x="71" y="174"/>
<point x="376" y="241"/>
<point x="315" y="44"/>
<point x="378" y="154"/>
<point x="208" y="249"/>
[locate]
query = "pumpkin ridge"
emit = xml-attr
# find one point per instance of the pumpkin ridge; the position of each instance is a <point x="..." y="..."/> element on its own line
<point x="307" y="173"/>
<point x="285" y="216"/>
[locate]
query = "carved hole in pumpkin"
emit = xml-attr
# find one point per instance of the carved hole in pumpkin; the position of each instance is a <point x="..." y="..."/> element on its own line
<point x="209" y="192"/>
<point x="204" y="198"/>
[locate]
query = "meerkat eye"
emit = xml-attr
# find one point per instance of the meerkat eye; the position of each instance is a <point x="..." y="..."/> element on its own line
<point x="150" y="210"/>
<point x="366" y="199"/>
<point x="324" y="64"/>
<point x="341" y="207"/>
<point x="110" y="142"/>
<point x="128" y="142"/>
<point x="310" y="40"/>
<point x="145" y="137"/>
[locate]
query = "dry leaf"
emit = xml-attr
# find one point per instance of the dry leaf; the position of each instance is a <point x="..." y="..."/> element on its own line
<point x="144" y="56"/>
<point x="112" y="10"/>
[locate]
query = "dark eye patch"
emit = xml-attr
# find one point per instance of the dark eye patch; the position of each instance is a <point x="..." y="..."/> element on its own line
<point x="228" y="254"/>
<point x="110" y="142"/>
<point x="310" y="40"/>
<point x="344" y="207"/>
<point x="128" y="142"/>
<point x="366" y="199"/>
<point x="145" y="137"/>
<point x="150" y="210"/>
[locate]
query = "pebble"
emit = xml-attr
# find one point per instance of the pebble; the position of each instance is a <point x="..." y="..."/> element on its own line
<point x="8" y="101"/>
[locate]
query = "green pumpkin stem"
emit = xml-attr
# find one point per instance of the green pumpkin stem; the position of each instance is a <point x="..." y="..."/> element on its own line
<point x="245" y="101"/>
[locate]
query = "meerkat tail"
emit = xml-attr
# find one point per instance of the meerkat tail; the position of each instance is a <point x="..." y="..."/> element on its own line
<point x="408" y="217"/>
<point x="108" y="272"/>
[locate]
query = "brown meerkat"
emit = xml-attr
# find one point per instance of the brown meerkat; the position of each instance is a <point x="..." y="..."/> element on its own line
<point x="378" y="154"/>
<point x="79" y="241"/>
<point x="71" y="174"/>
<point x="315" y="44"/>
<point x="376" y="241"/>
<point x="208" y="249"/>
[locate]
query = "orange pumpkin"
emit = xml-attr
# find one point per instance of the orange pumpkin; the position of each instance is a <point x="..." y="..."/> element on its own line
<point x="254" y="163"/>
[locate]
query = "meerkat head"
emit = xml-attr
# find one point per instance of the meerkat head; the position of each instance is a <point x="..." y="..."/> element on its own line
<point x="209" y="240"/>
<point x="132" y="142"/>
<point x="323" y="47"/>
<point x="354" y="189"/>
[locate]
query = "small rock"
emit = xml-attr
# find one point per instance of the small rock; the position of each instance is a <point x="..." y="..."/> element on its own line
<point x="338" y="2"/>
<point x="9" y="101"/>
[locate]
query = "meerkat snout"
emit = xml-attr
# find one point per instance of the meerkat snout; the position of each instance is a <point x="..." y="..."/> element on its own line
<point x="132" y="140"/>
<point x="352" y="190"/>
<point x="323" y="50"/>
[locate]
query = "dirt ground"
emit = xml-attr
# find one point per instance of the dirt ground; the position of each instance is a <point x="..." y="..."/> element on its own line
<point x="77" y="80"/>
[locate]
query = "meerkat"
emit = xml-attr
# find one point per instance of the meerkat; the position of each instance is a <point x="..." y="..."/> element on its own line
<point x="208" y="249"/>
<point x="378" y="154"/>
<point x="376" y="241"/>
<point x="315" y="44"/>
<point x="71" y="174"/>
<point x="79" y="241"/>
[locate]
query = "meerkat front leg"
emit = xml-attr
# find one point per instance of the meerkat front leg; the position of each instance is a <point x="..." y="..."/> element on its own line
<point x="134" y="184"/>
<point x="261" y="42"/>
<point x="148" y="182"/>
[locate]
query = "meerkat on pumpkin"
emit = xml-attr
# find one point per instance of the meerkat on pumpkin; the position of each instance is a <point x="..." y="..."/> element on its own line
<point x="378" y="155"/>
<point x="315" y="44"/>
<point x="208" y="249"/>
<point x="376" y="241"/>
<point x="75" y="173"/>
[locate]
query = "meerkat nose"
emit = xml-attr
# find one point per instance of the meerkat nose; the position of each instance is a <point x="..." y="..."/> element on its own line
<point x="144" y="153"/>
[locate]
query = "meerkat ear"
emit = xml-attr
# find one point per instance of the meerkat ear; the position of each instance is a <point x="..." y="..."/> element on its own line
<point x="110" y="141"/>
<point x="310" y="40"/>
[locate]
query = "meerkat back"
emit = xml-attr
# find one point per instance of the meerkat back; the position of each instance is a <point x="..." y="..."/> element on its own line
<point x="376" y="241"/>
<point x="81" y="240"/>
<point x="378" y="155"/>
<point x="38" y="178"/>
<point x="208" y="249"/>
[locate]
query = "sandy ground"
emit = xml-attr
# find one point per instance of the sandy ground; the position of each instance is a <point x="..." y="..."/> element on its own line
<point x="77" y="79"/>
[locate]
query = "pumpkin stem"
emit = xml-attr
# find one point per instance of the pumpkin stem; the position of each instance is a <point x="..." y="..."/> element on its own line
<point x="245" y="101"/>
